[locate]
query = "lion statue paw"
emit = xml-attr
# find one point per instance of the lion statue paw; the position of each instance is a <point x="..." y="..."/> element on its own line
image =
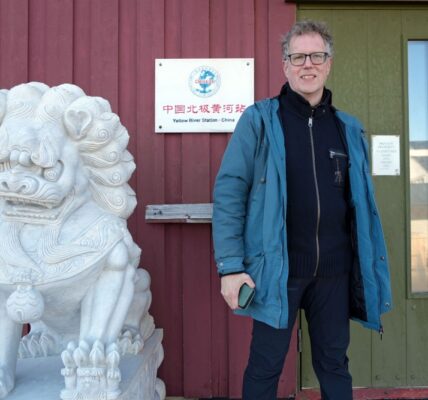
<point x="91" y="372"/>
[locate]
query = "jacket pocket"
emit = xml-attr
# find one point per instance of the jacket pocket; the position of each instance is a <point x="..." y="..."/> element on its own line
<point x="254" y="266"/>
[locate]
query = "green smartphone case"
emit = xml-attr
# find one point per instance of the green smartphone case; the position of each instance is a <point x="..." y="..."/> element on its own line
<point x="246" y="295"/>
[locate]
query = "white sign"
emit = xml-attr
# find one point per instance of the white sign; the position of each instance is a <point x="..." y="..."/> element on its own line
<point x="386" y="155"/>
<point x="202" y="95"/>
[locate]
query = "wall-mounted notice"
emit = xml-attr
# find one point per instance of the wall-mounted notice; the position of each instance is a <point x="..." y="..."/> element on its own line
<point x="386" y="155"/>
<point x="202" y="95"/>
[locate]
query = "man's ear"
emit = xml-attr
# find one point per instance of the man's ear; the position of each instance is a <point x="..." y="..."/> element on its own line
<point x="285" y="68"/>
<point x="330" y="61"/>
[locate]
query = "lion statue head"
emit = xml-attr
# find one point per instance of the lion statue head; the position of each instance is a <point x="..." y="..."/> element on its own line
<point x="58" y="147"/>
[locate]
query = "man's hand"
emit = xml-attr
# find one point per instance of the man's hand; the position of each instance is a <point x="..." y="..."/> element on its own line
<point x="230" y="285"/>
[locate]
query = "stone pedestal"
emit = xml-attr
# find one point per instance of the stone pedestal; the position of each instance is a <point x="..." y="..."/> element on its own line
<point x="41" y="379"/>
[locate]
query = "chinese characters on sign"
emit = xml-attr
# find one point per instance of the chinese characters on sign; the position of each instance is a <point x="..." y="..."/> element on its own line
<point x="202" y="95"/>
<point x="386" y="155"/>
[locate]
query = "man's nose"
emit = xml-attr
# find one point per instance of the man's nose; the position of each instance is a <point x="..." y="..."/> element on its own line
<point x="308" y="62"/>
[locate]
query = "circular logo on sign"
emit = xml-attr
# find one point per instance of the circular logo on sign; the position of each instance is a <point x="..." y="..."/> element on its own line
<point x="204" y="81"/>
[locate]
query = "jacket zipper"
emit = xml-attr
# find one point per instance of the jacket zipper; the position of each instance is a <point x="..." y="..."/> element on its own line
<point x="310" y="123"/>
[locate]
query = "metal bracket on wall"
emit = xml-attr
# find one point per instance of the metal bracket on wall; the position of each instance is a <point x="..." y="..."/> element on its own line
<point x="179" y="213"/>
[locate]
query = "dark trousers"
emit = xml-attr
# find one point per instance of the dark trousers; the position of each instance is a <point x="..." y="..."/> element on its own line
<point x="326" y="305"/>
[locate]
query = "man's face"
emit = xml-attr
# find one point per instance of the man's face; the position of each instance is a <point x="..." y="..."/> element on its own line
<point x="308" y="80"/>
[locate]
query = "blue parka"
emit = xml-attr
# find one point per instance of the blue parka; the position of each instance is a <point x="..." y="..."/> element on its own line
<point x="249" y="227"/>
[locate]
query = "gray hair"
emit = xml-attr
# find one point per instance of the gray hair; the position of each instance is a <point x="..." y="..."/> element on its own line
<point x="307" y="27"/>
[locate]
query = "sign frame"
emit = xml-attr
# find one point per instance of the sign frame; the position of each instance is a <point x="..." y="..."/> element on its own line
<point x="202" y="94"/>
<point x="385" y="155"/>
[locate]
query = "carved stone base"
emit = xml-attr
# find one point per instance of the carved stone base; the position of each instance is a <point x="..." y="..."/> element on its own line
<point x="40" y="378"/>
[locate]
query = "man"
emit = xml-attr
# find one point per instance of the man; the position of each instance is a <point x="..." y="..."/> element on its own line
<point x="295" y="217"/>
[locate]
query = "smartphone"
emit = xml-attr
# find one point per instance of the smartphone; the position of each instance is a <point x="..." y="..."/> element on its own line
<point x="246" y="295"/>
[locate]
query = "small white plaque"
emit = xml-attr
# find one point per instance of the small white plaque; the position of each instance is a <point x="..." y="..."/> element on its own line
<point x="385" y="155"/>
<point x="202" y="95"/>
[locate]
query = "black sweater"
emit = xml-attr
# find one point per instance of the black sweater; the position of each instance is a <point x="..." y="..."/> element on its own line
<point x="318" y="231"/>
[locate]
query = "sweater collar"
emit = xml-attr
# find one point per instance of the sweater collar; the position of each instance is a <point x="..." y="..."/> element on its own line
<point x="300" y="106"/>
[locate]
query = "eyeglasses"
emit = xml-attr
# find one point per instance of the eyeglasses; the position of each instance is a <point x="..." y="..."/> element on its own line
<point x="299" y="59"/>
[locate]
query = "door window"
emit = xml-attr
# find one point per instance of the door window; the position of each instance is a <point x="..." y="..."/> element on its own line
<point x="418" y="162"/>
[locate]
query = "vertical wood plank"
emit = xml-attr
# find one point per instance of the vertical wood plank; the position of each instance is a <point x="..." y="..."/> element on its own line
<point x="104" y="41"/>
<point x="96" y="40"/>
<point x="219" y="345"/>
<point x="196" y="239"/>
<point x="197" y="340"/>
<point x="385" y="88"/>
<point x="150" y="45"/>
<point x="150" y="147"/>
<point x="81" y="40"/>
<point x="351" y="84"/>
<point x="173" y="370"/>
<point x="417" y="343"/>
<point x="261" y="35"/>
<point x="13" y="42"/>
<point x="36" y="37"/>
<point x="51" y="42"/>
<point x="280" y="19"/>
<point x="239" y="340"/>
<point x="127" y="93"/>
<point x="240" y="28"/>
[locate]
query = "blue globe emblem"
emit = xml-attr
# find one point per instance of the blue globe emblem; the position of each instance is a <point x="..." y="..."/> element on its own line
<point x="204" y="81"/>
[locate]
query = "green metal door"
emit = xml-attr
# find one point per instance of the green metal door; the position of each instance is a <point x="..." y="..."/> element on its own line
<point x="370" y="80"/>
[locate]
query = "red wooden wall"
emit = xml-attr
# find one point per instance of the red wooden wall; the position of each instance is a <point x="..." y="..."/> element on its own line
<point x="108" y="48"/>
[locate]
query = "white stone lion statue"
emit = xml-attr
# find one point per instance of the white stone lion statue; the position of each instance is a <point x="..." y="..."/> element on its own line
<point x="68" y="265"/>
